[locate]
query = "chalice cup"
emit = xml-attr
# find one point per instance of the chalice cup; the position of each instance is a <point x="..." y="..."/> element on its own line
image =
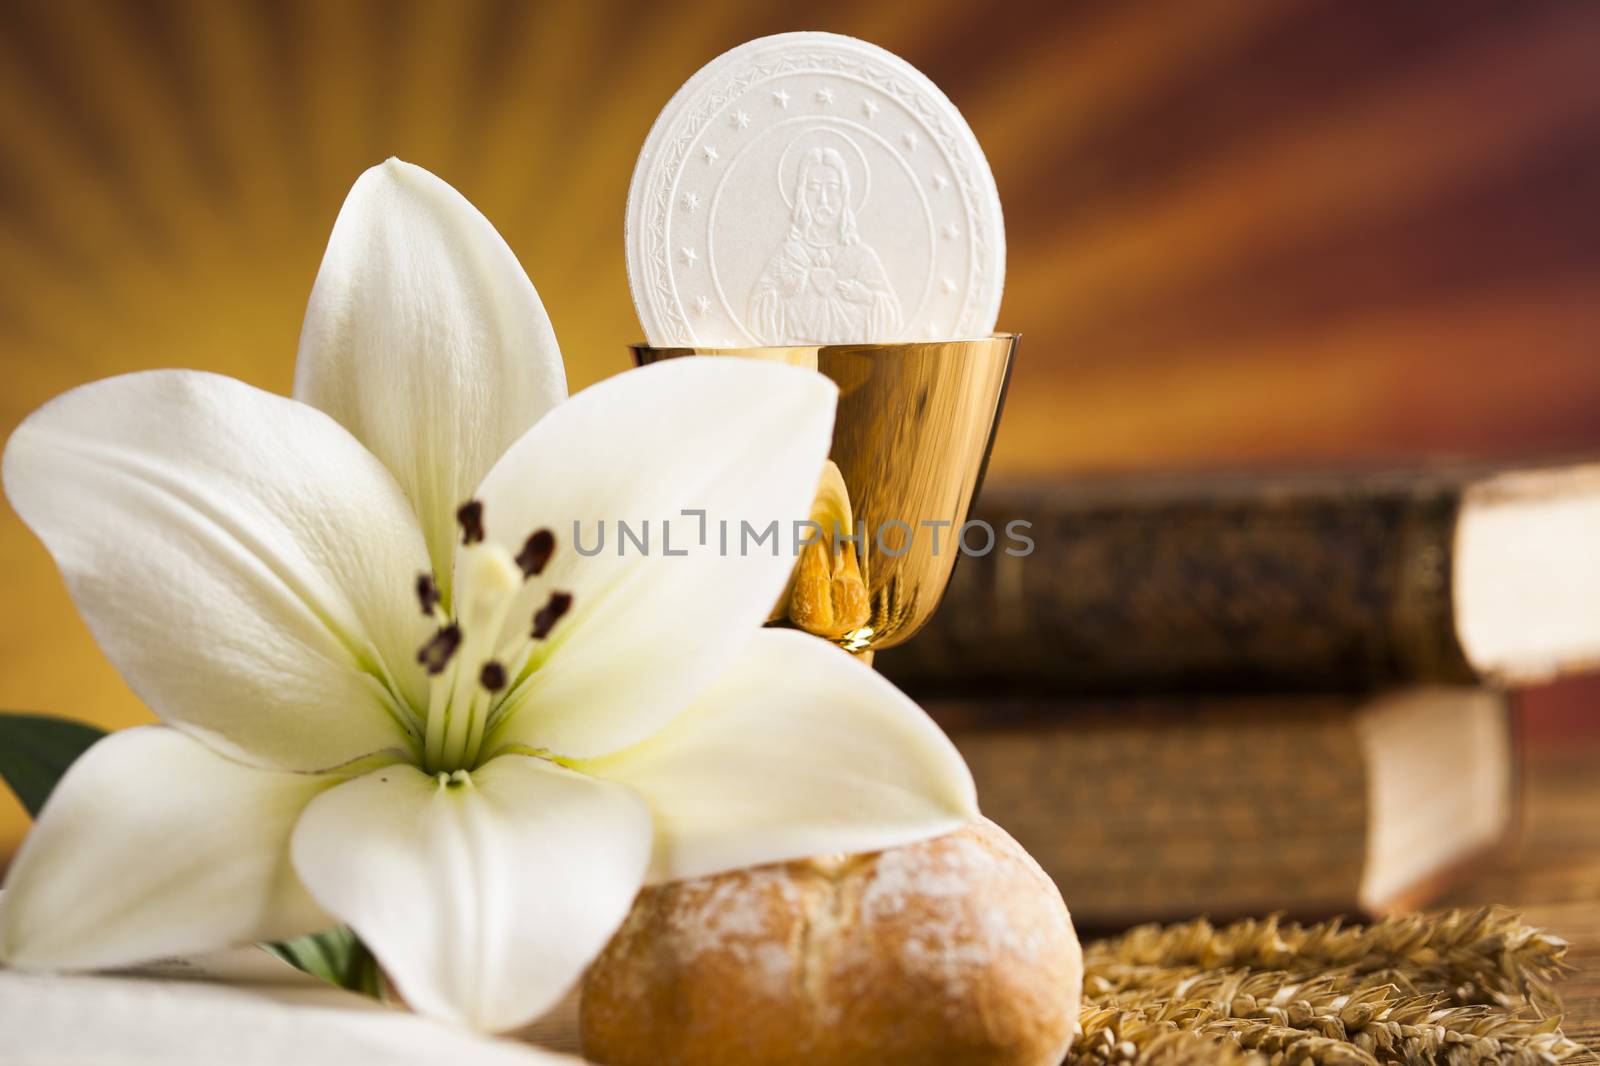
<point x="911" y="440"/>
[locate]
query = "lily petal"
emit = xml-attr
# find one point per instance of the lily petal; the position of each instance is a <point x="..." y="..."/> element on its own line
<point x="242" y="560"/>
<point x="426" y="339"/>
<point x="798" y="750"/>
<point x="152" y="845"/>
<point x="483" y="898"/>
<point x="741" y="442"/>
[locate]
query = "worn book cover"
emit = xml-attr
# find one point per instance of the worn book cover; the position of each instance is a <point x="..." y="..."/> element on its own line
<point x="1313" y="805"/>
<point x="1311" y="582"/>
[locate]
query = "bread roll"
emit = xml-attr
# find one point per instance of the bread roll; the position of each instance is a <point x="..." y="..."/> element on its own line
<point x="954" y="950"/>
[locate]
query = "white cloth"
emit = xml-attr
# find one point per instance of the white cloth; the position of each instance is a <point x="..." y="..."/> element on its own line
<point x="243" y="1008"/>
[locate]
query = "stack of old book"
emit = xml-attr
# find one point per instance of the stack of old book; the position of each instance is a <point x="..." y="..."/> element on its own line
<point x="1234" y="695"/>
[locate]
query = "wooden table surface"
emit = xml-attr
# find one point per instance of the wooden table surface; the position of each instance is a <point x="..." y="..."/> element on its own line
<point x="1552" y="873"/>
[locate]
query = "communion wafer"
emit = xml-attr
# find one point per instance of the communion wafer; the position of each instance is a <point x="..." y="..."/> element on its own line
<point x="811" y="188"/>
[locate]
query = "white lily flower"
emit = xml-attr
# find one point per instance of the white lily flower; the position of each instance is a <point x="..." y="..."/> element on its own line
<point x="482" y="811"/>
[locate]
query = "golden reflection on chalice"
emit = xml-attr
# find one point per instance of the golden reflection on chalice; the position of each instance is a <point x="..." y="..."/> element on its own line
<point x="910" y="443"/>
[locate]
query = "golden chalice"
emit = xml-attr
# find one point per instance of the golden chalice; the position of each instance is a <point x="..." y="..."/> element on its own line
<point x="910" y="443"/>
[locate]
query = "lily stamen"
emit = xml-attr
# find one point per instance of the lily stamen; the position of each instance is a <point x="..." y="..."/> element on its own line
<point x="545" y="619"/>
<point x="470" y="517"/>
<point x="474" y="667"/>
<point x="493" y="676"/>
<point x="441" y="647"/>
<point x="536" y="552"/>
<point x="427" y="594"/>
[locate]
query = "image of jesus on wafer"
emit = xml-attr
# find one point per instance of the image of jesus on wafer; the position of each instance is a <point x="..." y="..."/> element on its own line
<point x="823" y="285"/>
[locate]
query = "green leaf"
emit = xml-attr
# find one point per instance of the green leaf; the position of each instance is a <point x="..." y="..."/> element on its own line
<point x="36" y="749"/>
<point x="337" y="956"/>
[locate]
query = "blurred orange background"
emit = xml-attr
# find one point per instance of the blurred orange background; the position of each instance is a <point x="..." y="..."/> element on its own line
<point x="1248" y="231"/>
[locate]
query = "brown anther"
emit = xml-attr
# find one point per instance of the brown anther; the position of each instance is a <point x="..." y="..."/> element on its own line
<point x="535" y="554"/>
<point x="545" y="619"/>
<point x="427" y="594"/>
<point x="435" y="655"/>
<point x="492" y="676"/>
<point x="470" y="517"/>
